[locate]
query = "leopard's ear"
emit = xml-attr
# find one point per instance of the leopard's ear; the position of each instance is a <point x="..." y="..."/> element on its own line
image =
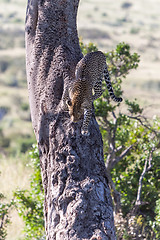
<point x="69" y="103"/>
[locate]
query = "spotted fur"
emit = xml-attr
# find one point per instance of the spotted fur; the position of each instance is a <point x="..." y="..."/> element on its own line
<point x="89" y="73"/>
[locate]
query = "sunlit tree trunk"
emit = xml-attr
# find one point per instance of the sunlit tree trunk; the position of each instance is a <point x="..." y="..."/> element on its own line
<point x="77" y="203"/>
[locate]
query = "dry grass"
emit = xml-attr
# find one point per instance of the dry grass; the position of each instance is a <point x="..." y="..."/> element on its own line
<point x="15" y="230"/>
<point x="14" y="174"/>
<point x="16" y="52"/>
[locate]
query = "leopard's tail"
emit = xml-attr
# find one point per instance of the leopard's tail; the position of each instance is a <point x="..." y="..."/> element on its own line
<point x="109" y="86"/>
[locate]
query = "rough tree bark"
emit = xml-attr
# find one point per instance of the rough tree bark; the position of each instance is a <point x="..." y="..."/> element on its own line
<point x="77" y="203"/>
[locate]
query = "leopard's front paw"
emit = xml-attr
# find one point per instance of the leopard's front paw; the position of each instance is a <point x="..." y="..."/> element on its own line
<point x="85" y="133"/>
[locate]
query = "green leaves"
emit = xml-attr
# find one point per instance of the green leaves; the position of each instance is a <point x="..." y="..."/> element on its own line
<point x="123" y="49"/>
<point x="102" y="107"/>
<point x="121" y="61"/>
<point x="87" y="48"/>
<point x="156" y="224"/>
<point x="133" y="107"/>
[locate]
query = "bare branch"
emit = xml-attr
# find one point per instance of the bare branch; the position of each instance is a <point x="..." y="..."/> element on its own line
<point x="119" y="158"/>
<point x="114" y="129"/>
<point x="118" y="148"/>
<point x="148" y="162"/>
<point x="125" y="152"/>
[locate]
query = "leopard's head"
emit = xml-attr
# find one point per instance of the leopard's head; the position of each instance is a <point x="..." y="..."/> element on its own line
<point x="75" y="110"/>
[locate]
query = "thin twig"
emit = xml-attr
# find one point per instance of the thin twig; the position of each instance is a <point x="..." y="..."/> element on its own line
<point x="119" y="158"/>
<point x="145" y="124"/>
<point x="148" y="162"/>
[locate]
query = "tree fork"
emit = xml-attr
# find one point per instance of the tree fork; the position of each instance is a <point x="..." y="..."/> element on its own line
<point x="78" y="203"/>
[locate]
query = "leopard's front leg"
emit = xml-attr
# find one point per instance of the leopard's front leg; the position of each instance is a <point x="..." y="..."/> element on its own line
<point x="65" y="99"/>
<point x="86" y="120"/>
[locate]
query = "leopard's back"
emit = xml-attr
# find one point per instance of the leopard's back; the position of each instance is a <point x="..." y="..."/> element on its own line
<point x="88" y="70"/>
<point x="91" y="67"/>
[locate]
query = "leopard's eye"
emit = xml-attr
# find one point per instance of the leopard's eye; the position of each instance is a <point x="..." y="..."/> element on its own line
<point x="69" y="103"/>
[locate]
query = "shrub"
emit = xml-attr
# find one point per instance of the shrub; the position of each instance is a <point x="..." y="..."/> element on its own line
<point x="25" y="106"/>
<point x="30" y="203"/>
<point x="4" y="142"/>
<point x="4" y="216"/>
<point x="134" y="30"/>
<point x="126" y="5"/>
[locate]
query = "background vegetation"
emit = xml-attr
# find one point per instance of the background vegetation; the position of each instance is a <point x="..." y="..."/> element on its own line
<point x="106" y="23"/>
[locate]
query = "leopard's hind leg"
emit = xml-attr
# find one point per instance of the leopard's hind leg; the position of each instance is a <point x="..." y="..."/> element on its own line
<point x="97" y="89"/>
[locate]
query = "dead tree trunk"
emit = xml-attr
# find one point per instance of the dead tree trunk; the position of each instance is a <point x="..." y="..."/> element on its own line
<point x="77" y="203"/>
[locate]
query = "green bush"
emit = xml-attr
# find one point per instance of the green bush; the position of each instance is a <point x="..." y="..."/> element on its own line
<point x="156" y="223"/>
<point x="26" y="144"/>
<point x="134" y="30"/>
<point x="4" y="216"/>
<point x="30" y="203"/>
<point x="4" y="142"/>
<point x="4" y="64"/>
<point x="25" y="106"/>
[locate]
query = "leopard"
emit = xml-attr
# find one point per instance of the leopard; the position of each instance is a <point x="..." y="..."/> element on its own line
<point x="87" y="87"/>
